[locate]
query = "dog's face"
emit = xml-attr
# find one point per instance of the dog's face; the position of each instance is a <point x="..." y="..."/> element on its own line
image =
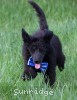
<point x="36" y="46"/>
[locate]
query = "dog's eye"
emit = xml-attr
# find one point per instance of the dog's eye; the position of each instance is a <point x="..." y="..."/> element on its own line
<point x="41" y="50"/>
<point x="33" y="48"/>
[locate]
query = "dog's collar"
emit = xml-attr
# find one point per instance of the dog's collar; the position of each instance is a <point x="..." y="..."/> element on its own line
<point x="43" y="68"/>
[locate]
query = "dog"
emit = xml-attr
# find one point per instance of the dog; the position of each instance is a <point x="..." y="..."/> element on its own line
<point x="42" y="46"/>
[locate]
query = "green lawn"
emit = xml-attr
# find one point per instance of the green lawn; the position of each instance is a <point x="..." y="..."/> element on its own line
<point x="62" y="19"/>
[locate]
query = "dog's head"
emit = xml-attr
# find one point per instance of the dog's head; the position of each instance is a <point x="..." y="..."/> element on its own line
<point x="37" y="46"/>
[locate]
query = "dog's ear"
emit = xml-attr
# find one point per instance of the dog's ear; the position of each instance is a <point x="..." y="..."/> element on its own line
<point x="48" y="35"/>
<point x="25" y="36"/>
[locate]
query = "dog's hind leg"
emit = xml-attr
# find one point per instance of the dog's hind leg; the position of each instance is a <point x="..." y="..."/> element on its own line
<point x="61" y="61"/>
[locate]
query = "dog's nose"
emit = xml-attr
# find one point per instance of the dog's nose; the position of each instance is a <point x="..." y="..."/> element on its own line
<point x="37" y="62"/>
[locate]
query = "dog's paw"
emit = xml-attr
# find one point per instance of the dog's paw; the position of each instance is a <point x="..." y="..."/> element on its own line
<point x="25" y="77"/>
<point x="61" y="68"/>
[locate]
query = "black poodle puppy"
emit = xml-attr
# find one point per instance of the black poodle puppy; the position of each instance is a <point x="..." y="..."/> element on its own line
<point x="42" y="46"/>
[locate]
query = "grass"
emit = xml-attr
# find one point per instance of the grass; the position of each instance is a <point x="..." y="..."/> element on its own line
<point x="62" y="19"/>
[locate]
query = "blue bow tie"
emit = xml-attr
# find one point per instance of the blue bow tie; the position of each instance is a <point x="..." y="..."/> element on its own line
<point x="43" y="68"/>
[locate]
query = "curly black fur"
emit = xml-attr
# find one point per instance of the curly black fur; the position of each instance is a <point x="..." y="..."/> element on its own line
<point x="43" y="46"/>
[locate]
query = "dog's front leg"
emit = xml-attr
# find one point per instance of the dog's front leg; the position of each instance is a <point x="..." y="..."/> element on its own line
<point x="50" y="74"/>
<point x="29" y="73"/>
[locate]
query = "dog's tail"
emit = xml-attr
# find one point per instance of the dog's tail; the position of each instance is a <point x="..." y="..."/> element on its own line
<point x="41" y="15"/>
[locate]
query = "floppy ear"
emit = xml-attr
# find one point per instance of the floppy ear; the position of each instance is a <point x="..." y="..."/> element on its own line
<point x="25" y="36"/>
<point x="48" y="35"/>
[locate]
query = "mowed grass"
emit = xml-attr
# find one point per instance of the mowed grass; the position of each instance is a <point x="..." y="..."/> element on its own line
<point x="62" y="19"/>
